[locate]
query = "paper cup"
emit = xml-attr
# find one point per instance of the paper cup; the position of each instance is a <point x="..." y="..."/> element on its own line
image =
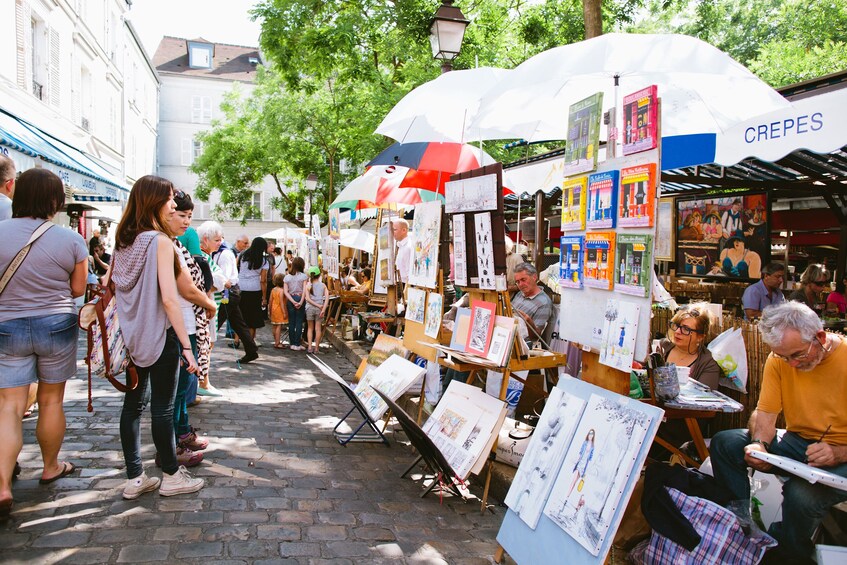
<point x="682" y="374"/>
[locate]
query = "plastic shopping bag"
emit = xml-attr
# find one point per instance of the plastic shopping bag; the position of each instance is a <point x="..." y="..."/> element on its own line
<point x="731" y="355"/>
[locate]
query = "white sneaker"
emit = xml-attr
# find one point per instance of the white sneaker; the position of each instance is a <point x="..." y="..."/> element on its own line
<point x="180" y="482"/>
<point x="139" y="485"/>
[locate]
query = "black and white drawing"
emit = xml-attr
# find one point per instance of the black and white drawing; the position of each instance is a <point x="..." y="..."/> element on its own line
<point x="460" y="251"/>
<point x="543" y="458"/>
<point x="484" y="251"/>
<point x="471" y="195"/>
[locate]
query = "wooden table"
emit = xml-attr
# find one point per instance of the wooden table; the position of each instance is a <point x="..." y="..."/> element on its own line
<point x="691" y="419"/>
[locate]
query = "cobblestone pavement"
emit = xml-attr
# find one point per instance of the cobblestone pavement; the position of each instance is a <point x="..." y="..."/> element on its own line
<point x="279" y="488"/>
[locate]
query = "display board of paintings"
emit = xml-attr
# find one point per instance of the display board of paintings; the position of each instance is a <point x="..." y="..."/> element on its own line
<point x="640" y="123"/>
<point x="583" y="142"/>
<point x="602" y="208"/>
<point x="426" y="231"/>
<point x="573" y="203"/>
<point x="637" y="196"/>
<point x="724" y="236"/>
<point x="599" y="262"/>
<point x="633" y="264"/>
<point x="571" y="259"/>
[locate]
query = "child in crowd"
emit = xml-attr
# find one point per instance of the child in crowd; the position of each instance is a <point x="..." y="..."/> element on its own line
<point x="277" y="311"/>
<point x="316" y="304"/>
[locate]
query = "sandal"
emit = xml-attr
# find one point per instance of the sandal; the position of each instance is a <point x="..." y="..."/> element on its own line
<point x="278" y="346"/>
<point x="67" y="469"/>
<point x="6" y="509"/>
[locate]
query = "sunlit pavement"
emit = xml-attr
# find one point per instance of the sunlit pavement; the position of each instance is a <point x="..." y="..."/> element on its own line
<point x="279" y="488"/>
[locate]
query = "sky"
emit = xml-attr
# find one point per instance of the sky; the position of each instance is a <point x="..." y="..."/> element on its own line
<point x="219" y="21"/>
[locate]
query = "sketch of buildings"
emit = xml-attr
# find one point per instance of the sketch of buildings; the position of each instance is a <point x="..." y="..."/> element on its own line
<point x="596" y="468"/>
<point x="543" y="458"/>
<point x="416" y="305"/>
<point x="484" y="251"/>
<point x="471" y="195"/>
<point x="460" y="251"/>
<point x="434" y="310"/>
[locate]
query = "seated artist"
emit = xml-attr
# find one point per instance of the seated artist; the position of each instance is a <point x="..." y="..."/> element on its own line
<point x="766" y="292"/>
<point x="805" y="379"/>
<point x="365" y="286"/>
<point x="691" y="330"/>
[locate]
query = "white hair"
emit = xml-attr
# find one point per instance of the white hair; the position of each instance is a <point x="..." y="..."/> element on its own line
<point x="788" y="316"/>
<point x="209" y="230"/>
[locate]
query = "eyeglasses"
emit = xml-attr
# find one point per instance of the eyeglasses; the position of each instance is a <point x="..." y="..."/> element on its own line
<point x="797" y="356"/>
<point x="685" y="329"/>
<point x="179" y="194"/>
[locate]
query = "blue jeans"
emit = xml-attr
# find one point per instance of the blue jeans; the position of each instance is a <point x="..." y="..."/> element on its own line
<point x="38" y="348"/>
<point x="804" y="504"/>
<point x="296" y="321"/>
<point x="162" y="379"/>
<point x="181" y="425"/>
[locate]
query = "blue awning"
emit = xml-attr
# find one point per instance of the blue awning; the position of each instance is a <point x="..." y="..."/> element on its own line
<point x="68" y="161"/>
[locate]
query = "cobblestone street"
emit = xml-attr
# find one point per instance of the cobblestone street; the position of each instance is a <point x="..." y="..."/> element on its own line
<point x="279" y="488"/>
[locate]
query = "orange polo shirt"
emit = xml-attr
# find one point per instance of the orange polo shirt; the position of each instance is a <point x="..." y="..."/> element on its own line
<point x="811" y="400"/>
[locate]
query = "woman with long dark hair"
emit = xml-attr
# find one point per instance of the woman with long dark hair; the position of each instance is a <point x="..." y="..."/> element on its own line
<point x="144" y="269"/>
<point x="253" y="280"/>
<point x="38" y="324"/>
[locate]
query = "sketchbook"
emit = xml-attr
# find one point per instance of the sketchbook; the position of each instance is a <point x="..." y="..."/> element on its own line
<point x="811" y="474"/>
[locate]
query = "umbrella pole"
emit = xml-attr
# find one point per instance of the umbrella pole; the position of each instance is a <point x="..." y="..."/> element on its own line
<point x="518" y="231"/>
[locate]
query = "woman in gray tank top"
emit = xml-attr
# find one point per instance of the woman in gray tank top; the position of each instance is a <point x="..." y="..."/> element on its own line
<point x="144" y="269"/>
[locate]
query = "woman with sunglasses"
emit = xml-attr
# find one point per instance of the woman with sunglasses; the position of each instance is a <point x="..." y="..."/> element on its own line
<point x="691" y="330"/>
<point x="813" y="281"/>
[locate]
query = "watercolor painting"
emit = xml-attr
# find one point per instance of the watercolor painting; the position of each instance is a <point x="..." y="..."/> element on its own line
<point x="599" y="262"/>
<point x="426" y="231"/>
<point x="571" y="259"/>
<point x="620" y="325"/>
<point x="331" y="249"/>
<point x="434" y="310"/>
<point x="415" y="304"/>
<point x="601" y="211"/>
<point x="634" y="264"/>
<point x="640" y="123"/>
<point x="596" y="468"/>
<point x="583" y="141"/>
<point x="484" y="251"/>
<point x="544" y="455"/>
<point x="384" y="275"/>
<point x="573" y="203"/>
<point x="637" y="196"/>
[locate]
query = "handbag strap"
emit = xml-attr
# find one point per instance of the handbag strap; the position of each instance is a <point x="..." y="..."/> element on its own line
<point x="19" y="258"/>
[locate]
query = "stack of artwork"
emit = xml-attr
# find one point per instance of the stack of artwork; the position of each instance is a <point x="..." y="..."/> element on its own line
<point x="480" y="336"/>
<point x="577" y="468"/>
<point x="393" y="377"/>
<point x="464" y="426"/>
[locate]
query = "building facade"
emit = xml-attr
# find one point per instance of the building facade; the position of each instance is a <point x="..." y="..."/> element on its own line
<point x="196" y="75"/>
<point x="79" y="96"/>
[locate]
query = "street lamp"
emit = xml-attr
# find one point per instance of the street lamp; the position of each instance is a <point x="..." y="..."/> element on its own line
<point x="311" y="184"/>
<point x="446" y="33"/>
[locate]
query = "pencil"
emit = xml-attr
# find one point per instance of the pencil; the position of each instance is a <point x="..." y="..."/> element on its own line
<point x="826" y="431"/>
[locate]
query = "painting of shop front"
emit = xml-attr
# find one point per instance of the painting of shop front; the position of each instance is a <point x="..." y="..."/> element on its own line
<point x="597" y="466"/>
<point x="723" y="236"/>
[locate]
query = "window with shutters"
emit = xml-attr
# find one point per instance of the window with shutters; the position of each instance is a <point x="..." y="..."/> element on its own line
<point x="39" y="58"/>
<point x="256" y="203"/>
<point x="86" y="99"/>
<point x="201" y="109"/>
<point x="186" y="152"/>
<point x="197" y="150"/>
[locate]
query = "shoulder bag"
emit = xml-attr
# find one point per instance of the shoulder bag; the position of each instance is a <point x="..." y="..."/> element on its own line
<point x="19" y="258"/>
<point x="107" y="353"/>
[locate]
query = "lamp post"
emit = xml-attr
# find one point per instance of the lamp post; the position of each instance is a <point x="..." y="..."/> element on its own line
<point x="311" y="183"/>
<point x="446" y="33"/>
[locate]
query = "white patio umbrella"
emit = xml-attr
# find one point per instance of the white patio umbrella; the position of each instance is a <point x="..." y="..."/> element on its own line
<point x="358" y="239"/>
<point x="703" y="90"/>
<point x="441" y="109"/>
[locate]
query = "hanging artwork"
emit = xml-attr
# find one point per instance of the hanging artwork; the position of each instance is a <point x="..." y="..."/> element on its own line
<point x="620" y="325"/>
<point x="640" y="123"/>
<point x="484" y="251"/>
<point x="665" y="232"/>
<point x="474" y="194"/>
<point x="334" y="223"/>
<point x="583" y="140"/>
<point x="634" y="265"/>
<point x="415" y="304"/>
<point x="543" y="457"/>
<point x="461" y="329"/>
<point x="460" y="251"/>
<point x="637" y="196"/>
<point x="599" y="262"/>
<point x="434" y="310"/>
<point x="571" y="255"/>
<point x="331" y="249"/>
<point x="426" y="231"/>
<point x="597" y="466"/>
<point x="601" y="210"/>
<point x="482" y="324"/>
<point x="312" y="251"/>
<point x="723" y="236"/>
<point x="573" y="203"/>
<point x="384" y="275"/>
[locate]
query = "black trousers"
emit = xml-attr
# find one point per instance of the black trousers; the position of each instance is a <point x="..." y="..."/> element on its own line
<point x="232" y="312"/>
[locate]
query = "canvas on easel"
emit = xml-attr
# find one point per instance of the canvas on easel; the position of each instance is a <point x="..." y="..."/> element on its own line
<point x="434" y="310"/>
<point x="426" y="230"/>
<point x="415" y="304"/>
<point x="384" y="261"/>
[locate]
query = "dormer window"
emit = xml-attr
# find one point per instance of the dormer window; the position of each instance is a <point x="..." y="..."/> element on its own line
<point x="200" y="55"/>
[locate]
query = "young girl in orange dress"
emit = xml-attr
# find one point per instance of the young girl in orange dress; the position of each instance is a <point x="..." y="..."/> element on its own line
<point x="277" y="311"/>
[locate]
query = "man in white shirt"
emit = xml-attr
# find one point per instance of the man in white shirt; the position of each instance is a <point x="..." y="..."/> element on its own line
<point x="232" y="310"/>
<point x="403" y="258"/>
<point x="241" y="244"/>
<point x="7" y="186"/>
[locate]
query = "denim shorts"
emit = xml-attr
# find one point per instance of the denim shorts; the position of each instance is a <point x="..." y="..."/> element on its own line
<point x="40" y="348"/>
